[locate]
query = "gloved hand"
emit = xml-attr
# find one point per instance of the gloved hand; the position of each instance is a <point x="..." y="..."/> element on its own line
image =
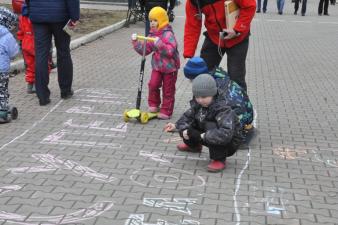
<point x="194" y="135"/>
<point x="134" y="37"/>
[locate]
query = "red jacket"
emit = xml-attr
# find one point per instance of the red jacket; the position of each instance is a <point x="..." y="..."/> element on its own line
<point x="25" y="35"/>
<point x="215" y="22"/>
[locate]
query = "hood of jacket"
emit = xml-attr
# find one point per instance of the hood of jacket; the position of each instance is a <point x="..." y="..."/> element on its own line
<point x="3" y="31"/>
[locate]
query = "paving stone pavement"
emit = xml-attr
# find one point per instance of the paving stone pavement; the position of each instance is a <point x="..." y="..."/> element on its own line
<point x="76" y="162"/>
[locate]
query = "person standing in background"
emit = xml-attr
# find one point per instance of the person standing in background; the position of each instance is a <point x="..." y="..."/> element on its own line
<point x="280" y="6"/>
<point x="234" y="43"/>
<point x="60" y="13"/>
<point x="324" y="3"/>
<point x="259" y="4"/>
<point x="303" y="11"/>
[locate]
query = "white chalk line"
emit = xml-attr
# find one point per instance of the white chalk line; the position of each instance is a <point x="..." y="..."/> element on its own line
<point x="33" y="126"/>
<point x="238" y="185"/>
<point x="239" y="177"/>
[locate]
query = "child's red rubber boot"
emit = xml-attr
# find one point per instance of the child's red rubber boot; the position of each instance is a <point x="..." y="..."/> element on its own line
<point x="186" y="148"/>
<point x="216" y="166"/>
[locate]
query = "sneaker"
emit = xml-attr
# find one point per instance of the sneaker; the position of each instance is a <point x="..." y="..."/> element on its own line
<point x="326" y="14"/>
<point x="34" y="88"/>
<point x="216" y="166"/>
<point x="30" y="88"/>
<point x="153" y="109"/>
<point x="186" y="148"/>
<point x="4" y="117"/>
<point x="67" y="95"/>
<point x="258" y="11"/>
<point x="162" y="116"/>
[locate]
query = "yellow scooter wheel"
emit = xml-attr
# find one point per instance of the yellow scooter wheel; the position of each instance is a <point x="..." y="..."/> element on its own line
<point x="125" y="116"/>
<point x="144" y="118"/>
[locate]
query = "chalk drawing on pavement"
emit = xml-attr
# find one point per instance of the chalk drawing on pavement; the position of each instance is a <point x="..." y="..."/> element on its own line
<point x="52" y="163"/>
<point x="167" y="178"/>
<point x="89" y="110"/>
<point x="6" y="189"/>
<point x="138" y="219"/>
<point x="59" y="138"/>
<point x="80" y="215"/>
<point x="273" y="199"/>
<point x="289" y="154"/>
<point x="300" y="154"/>
<point x="177" y="204"/>
<point x="97" y="125"/>
<point x="163" y="158"/>
<point x="172" y="140"/>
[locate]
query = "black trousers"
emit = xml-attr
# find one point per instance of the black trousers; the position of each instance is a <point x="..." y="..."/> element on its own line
<point x="324" y="3"/>
<point x="43" y="33"/>
<point x="216" y="152"/>
<point x="259" y="4"/>
<point x="303" y="11"/>
<point x="236" y="57"/>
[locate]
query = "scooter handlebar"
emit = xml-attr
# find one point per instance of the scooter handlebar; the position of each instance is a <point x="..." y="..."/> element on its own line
<point x="139" y="37"/>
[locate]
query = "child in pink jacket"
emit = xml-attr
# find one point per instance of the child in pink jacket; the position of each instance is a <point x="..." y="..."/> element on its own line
<point x="165" y="63"/>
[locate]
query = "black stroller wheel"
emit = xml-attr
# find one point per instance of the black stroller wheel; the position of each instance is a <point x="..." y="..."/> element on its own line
<point x="14" y="113"/>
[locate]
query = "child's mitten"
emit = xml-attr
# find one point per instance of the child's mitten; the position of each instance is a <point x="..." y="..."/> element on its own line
<point x="134" y="37"/>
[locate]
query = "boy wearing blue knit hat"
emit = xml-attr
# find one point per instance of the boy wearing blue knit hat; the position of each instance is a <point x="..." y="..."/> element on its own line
<point x="234" y="95"/>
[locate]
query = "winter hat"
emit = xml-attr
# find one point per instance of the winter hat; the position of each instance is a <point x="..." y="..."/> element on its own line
<point x="7" y="18"/>
<point x="204" y="85"/>
<point x="194" y="67"/>
<point x="160" y="15"/>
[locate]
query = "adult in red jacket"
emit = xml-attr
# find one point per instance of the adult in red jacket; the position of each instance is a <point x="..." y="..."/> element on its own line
<point x="235" y="43"/>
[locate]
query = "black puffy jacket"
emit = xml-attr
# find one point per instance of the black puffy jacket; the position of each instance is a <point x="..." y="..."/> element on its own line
<point x="218" y="121"/>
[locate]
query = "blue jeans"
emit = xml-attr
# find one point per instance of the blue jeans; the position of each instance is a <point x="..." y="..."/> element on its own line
<point x="259" y="5"/>
<point x="43" y="40"/>
<point x="280" y="5"/>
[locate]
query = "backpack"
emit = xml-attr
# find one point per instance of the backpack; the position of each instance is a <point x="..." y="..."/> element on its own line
<point x="234" y="95"/>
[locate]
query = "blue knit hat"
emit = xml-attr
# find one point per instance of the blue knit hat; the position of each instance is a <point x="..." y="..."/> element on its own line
<point x="194" y="67"/>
